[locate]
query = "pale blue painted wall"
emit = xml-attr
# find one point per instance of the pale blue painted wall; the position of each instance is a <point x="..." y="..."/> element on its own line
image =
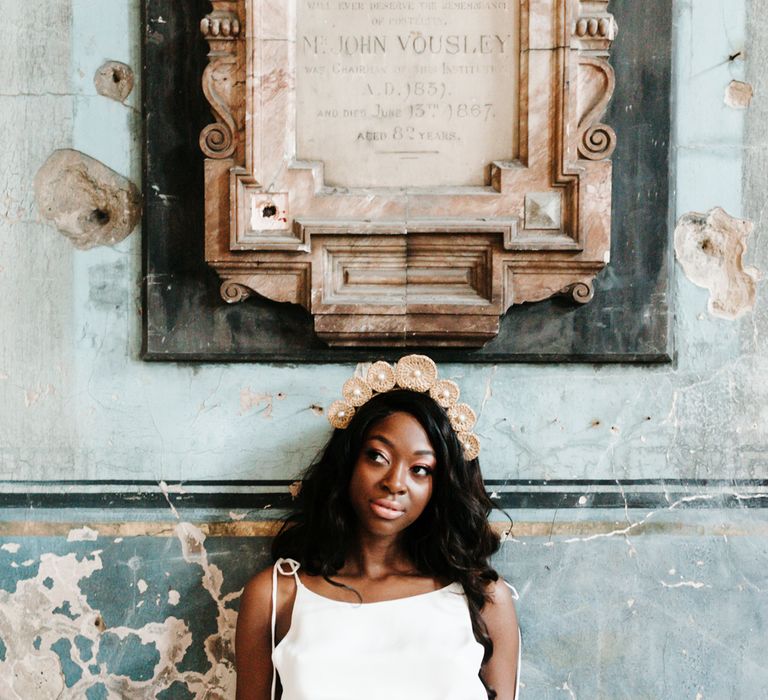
<point x="611" y="607"/>
<point x="116" y="416"/>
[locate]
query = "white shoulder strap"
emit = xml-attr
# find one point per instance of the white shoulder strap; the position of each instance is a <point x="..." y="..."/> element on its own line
<point x="516" y="596"/>
<point x="519" y="661"/>
<point x="292" y="570"/>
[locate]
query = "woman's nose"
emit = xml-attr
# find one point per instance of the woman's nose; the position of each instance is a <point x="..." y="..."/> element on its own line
<point x="394" y="479"/>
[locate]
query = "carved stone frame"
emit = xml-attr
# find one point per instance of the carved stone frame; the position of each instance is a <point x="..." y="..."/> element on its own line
<point x="433" y="267"/>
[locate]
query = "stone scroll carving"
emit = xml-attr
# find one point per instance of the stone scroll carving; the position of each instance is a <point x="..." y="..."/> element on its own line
<point x="408" y="171"/>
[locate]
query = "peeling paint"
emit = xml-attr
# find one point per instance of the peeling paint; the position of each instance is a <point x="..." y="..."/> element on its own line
<point x="166" y="491"/>
<point x="710" y="248"/>
<point x="295" y="489"/>
<point x="84" y="533"/>
<point x="685" y="584"/>
<point x="250" y="400"/>
<point x="32" y="396"/>
<point x="219" y="648"/>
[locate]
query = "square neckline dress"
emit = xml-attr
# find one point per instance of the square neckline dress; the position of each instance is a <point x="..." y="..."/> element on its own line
<point x="420" y="647"/>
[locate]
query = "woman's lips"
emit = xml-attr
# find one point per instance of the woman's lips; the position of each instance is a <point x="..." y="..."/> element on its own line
<point x="387" y="509"/>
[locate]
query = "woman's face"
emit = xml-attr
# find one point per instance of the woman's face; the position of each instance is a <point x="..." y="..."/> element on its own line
<point x="392" y="478"/>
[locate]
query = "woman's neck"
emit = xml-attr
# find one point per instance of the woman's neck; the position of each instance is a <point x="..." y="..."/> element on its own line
<point x="378" y="557"/>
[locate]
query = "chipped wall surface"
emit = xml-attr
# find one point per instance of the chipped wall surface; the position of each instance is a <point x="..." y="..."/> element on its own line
<point x="148" y="609"/>
<point x="661" y="604"/>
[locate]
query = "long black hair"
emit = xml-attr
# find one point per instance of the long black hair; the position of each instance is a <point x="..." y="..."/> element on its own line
<point x="451" y="540"/>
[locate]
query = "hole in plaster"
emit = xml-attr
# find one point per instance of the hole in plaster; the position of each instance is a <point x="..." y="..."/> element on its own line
<point x="99" y="216"/>
<point x="269" y="211"/>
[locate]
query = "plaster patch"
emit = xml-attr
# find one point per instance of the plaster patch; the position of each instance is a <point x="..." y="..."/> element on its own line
<point x="88" y="202"/>
<point x="710" y="248"/>
<point x="82" y="534"/>
<point x="249" y="400"/>
<point x="11" y="547"/>
<point x="173" y="597"/>
<point x="738" y="94"/>
<point x="115" y="80"/>
<point x="141" y="584"/>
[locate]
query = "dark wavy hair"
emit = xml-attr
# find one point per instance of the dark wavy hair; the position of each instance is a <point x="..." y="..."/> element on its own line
<point x="451" y="540"/>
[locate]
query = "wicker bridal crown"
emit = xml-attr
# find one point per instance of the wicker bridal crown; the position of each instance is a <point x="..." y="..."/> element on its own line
<point x="414" y="372"/>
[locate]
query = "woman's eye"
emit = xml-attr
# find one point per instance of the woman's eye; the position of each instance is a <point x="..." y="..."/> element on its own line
<point x="375" y="456"/>
<point x="421" y="470"/>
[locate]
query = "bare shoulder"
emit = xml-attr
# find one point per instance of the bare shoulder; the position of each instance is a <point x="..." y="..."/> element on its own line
<point x="498" y="613"/>
<point x="500" y="606"/>
<point x="255" y="600"/>
<point x="259" y="587"/>
<point x="253" y="637"/>
<point x="256" y="603"/>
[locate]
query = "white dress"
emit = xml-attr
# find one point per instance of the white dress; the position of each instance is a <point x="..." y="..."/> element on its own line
<point x="416" y="648"/>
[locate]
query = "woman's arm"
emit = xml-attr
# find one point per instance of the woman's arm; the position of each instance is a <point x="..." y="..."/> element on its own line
<point x="253" y="639"/>
<point x="499" y="615"/>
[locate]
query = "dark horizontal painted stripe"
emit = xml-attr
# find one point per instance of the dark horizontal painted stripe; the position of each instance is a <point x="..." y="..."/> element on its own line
<point x="516" y="500"/>
<point x="574" y="483"/>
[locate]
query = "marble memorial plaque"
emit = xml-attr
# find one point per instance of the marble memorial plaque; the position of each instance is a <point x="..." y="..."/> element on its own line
<point x="406" y="170"/>
<point x="407" y="93"/>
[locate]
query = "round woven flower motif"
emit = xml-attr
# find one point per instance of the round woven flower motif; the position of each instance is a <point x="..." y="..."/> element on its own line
<point x="340" y="413"/>
<point x="381" y="376"/>
<point x="416" y="372"/>
<point x="462" y="417"/>
<point x="356" y="392"/>
<point x="470" y="444"/>
<point x="445" y="392"/>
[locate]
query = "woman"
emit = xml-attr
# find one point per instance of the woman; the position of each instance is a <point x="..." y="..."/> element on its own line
<point x="382" y="586"/>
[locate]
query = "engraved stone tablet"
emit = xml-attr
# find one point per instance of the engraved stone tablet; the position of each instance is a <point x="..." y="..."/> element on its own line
<point x="407" y="93"/>
<point x="406" y="170"/>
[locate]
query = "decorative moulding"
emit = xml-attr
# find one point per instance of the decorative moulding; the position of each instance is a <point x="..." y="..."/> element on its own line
<point x="408" y="175"/>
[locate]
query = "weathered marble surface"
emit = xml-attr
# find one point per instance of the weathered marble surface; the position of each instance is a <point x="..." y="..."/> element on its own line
<point x="338" y="117"/>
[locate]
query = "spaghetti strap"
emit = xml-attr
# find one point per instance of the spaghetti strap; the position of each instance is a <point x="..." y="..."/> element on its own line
<point x="293" y="570"/>
<point x="519" y="660"/>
